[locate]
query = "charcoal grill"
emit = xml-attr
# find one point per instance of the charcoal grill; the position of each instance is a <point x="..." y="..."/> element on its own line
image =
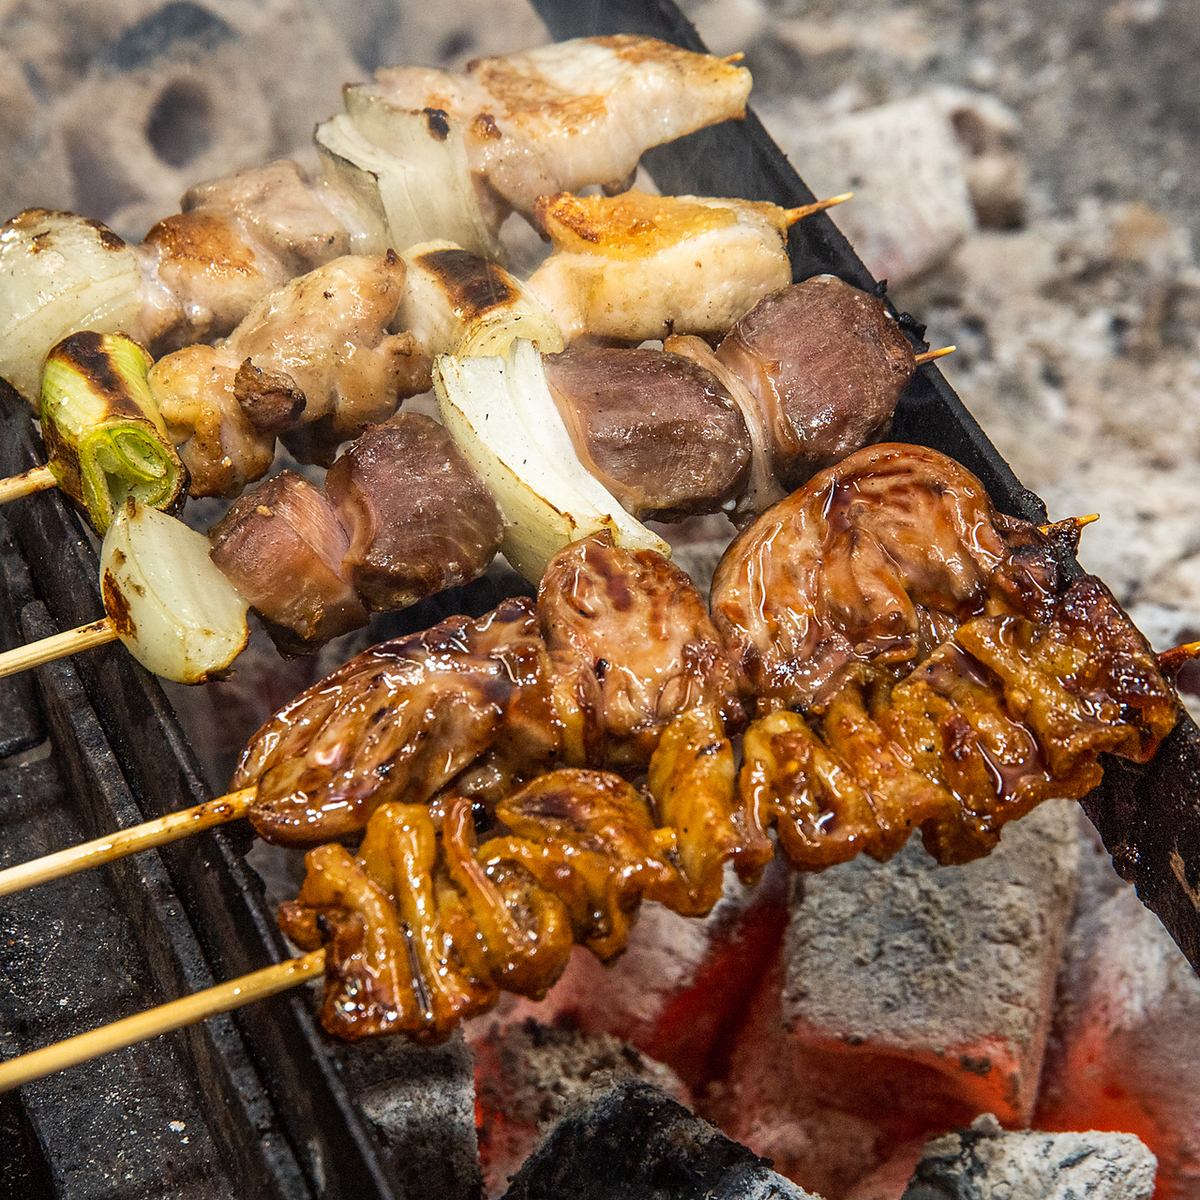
<point x="258" y="1103"/>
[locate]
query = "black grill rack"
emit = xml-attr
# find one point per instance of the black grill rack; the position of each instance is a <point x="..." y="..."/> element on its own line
<point x="257" y="1103"/>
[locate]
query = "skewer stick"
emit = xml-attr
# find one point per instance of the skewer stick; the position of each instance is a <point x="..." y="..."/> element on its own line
<point x="1173" y="660"/>
<point x="807" y="210"/>
<point x="187" y="1010"/>
<point x="36" y="479"/>
<point x="735" y="57"/>
<point x="158" y="832"/>
<point x="929" y="355"/>
<point x="1074" y="524"/>
<point x="57" y="645"/>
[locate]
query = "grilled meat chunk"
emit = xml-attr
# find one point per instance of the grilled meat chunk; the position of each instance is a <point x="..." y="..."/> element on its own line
<point x="633" y="646"/>
<point x="826" y="364"/>
<point x="400" y="721"/>
<point x="282" y="547"/>
<point x="879" y="560"/>
<point x="658" y="431"/>
<point x="638" y="266"/>
<point x="420" y="520"/>
<point x="574" y="113"/>
<point x="315" y="355"/>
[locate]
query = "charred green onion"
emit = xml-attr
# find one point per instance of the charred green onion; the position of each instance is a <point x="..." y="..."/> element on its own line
<point x="104" y="436"/>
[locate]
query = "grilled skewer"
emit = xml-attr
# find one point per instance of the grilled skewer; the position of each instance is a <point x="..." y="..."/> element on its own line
<point x="406" y="515"/>
<point x="961" y="680"/>
<point x="420" y="154"/>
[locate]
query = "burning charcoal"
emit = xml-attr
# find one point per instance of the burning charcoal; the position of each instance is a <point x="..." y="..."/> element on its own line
<point x="912" y="205"/>
<point x="680" y="983"/>
<point x="421" y="1100"/>
<point x="634" y="1143"/>
<point x="913" y="997"/>
<point x="1126" y="1055"/>
<point x="527" y="1075"/>
<point x="986" y="1163"/>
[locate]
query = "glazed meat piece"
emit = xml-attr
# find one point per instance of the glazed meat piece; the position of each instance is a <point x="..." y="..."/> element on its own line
<point x="314" y="354"/>
<point x="878" y="560"/>
<point x="419" y="519"/>
<point x="573" y="113"/>
<point x="400" y="721"/>
<point x="638" y="266"/>
<point x="826" y="364"/>
<point x="632" y="646"/>
<point x="657" y="430"/>
<point x="281" y="545"/>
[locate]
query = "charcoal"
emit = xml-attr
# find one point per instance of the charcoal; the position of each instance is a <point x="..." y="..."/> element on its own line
<point x="528" y="1074"/>
<point x="635" y="1143"/>
<point x="987" y="1163"/>
<point x="421" y="1101"/>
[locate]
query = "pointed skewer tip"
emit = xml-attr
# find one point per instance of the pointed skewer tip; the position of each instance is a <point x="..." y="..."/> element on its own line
<point x="1174" y="660"/>
<point x="929" y="356"/>
<point x="792" y="215"/>
<point x="736" y="57"/>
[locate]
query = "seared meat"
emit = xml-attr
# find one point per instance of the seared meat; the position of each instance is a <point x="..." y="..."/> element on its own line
<point x="319" y="357"/>
<point x="236" y="239"/>
<point x="400" y="722"/>
<point x="826" y="364"/>
<point x="420" y="520"/>
<point x="282" y="547"/>
<point x="659" y="432"/>
<point x="569" y="114"/>
<point x="633" y="647"/>
<point x="637" y="266"/>
<point x="876" y="560"/>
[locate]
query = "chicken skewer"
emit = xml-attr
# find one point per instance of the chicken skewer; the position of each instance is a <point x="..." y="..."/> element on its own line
<point x="405" y="514"/>
<point x="294" y="781"/>
<point x="419" y="154"/>
<point x="313" y="362"/>
<point x="577" y="849"/>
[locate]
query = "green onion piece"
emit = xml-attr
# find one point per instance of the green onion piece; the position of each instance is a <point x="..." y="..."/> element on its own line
<point x="104" y="436"/>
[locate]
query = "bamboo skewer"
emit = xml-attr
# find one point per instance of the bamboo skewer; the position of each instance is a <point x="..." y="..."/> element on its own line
<point x="1174" y="660"/>
<point x="187" y="1010"/>
<point x="57" y="645"/>
<point x="36" y="479"/>
<point x="808" y="210"/>
<point x="149" y="834"/>
<point x="929" y="356"/>
<point x="1070" y="523"/>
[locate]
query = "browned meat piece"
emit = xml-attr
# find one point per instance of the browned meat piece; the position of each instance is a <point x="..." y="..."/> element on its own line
<point x="400" y="721"/>
<point x="876" y="560"/>
<point x="420" y="520"/>
<point x="282" y="547"/>
<point x="656" y="429"/>
<point x="826" y="364"/>
<point x="315" y="355"/>
<point x="633" y="646"/>
<point x="424" y="929"/>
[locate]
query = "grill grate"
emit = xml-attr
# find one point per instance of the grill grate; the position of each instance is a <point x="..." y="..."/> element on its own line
<point x="262" y="1095"/>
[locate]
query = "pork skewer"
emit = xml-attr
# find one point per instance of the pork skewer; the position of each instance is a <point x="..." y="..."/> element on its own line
<point x="406" y="515"/>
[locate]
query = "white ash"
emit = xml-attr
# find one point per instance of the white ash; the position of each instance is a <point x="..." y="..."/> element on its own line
<point x="987" y="1163"/>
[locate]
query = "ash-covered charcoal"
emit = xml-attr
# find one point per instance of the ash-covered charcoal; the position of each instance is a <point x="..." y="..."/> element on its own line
<point x="1125" y="1053"/>
<point x="987" y="1163"/>
<point x="634" y="1143"/>
<point x="528" y="1074"/>
<point x="913" y="997"/>
<point x="681" y="983"/>
<point x="421" y="1100"/>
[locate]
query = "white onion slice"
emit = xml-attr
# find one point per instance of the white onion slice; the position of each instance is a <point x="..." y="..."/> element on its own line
<point x="503" y="418"/>
<point x="172" y="607"/>
<point x="409" y="169"/>
<point x="60" y="274"/>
